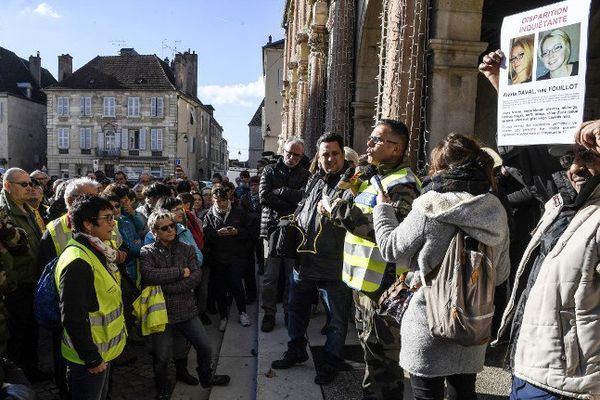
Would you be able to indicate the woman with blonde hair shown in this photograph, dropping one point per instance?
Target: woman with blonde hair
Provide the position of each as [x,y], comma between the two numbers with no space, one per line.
[555,53]
[456,195]
[521,60]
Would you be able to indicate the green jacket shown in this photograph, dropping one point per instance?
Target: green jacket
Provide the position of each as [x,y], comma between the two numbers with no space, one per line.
[25,265]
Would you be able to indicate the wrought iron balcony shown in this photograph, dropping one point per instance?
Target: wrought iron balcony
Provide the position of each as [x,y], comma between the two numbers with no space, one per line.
[108,153]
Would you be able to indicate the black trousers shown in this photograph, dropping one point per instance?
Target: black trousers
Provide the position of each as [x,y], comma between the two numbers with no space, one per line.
[463,386]
[22,327]
[227,278]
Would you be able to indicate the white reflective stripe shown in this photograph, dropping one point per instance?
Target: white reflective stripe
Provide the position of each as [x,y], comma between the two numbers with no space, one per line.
[363,274]
[153,308]
[105,347]
[106,319]
[60,237]
[354,250]
[155,290]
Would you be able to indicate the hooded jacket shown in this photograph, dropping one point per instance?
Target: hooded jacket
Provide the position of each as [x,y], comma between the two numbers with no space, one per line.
[421,242]
[558,345]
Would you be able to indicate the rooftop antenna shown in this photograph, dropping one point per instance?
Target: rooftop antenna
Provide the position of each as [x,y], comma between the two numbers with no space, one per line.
[172,48]
[120,43]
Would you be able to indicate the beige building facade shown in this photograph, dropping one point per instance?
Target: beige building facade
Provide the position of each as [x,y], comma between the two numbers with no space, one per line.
[131,113]
[272,106]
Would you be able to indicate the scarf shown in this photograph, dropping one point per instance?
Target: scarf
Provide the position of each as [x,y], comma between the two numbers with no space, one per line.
[108,251]
[468,177]
[219,214]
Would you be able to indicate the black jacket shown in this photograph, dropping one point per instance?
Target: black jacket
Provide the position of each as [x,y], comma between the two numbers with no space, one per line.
[280,191]
[321,234]
[226,249]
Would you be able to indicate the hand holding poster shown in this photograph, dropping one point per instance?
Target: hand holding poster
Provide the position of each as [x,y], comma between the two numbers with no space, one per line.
[542,84]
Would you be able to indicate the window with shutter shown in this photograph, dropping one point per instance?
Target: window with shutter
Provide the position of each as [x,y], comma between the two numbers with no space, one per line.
[133,106]
[85,138]
[109,106]
[62,106]
[124,139]
[85,106]
[101,140]
[63,138]
[156,107]
[156,139]
[143,139]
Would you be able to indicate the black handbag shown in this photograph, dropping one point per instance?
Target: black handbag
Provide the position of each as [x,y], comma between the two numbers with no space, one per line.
[284,239]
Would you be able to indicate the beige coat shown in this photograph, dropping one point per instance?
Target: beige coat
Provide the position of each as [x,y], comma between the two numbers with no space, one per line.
[558,347]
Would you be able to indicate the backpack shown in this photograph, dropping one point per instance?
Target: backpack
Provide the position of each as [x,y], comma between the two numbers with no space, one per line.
[46,300]
[460,298]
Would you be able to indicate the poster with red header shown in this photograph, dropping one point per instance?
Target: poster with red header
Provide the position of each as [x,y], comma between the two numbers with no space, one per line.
[542,81]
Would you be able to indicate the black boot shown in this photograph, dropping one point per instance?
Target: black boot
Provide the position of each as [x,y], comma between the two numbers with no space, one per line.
[208,378]
[163,388]
[182,374]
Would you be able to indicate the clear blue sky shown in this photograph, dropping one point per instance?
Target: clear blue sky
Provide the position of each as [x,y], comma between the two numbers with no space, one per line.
[226,34]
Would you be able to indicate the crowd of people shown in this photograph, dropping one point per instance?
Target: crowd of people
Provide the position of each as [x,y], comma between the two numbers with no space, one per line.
[147,263]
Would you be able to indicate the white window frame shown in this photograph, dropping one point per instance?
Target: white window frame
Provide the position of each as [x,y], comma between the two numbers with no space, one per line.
[62,106]
[85,138]
[85,106]
[62,138]
[109,106]
[133,106]
[157,107]
[156,139]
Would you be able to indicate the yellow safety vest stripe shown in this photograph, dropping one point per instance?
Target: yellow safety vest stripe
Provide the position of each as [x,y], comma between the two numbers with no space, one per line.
[60,233]
[364,266]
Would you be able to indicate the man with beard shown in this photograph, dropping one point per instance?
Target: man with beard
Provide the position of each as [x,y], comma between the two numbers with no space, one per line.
[553,316]
[279,192]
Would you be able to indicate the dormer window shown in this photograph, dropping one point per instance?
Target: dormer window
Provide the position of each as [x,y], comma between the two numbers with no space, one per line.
[25,88]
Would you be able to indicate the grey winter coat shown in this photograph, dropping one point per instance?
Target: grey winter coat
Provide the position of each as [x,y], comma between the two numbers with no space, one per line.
[421,242]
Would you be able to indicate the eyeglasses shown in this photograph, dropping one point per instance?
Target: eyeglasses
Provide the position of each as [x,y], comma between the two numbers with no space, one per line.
[518,57]
[291,154]
[556,48]
[108,217]
[587,156]
[376,140]
[166,228]
[24,184]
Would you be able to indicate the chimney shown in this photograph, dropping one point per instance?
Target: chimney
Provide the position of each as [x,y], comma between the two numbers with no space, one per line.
[185,69]
[35,67]
[65,66]
[270,39]
[128,51]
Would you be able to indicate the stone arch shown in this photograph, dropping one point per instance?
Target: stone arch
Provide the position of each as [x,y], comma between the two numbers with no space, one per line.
[367,69]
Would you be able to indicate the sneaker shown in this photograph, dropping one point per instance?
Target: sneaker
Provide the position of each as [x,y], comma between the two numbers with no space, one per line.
[244,320]
[268,323]
[289,360]
[223,325]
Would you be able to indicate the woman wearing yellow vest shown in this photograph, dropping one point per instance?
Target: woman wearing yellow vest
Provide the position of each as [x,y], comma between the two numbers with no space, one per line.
[94,331]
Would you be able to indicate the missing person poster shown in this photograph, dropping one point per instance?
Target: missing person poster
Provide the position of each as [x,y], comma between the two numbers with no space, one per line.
[542,84]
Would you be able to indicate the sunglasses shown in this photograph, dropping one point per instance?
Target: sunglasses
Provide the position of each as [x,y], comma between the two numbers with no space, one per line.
[166,228]
[24,184]
[587,156]
[376,140]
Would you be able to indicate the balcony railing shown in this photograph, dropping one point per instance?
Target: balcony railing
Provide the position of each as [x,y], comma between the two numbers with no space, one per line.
[108,153]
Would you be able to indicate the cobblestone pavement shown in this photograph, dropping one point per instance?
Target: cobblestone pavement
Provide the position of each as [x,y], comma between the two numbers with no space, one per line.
[134,381]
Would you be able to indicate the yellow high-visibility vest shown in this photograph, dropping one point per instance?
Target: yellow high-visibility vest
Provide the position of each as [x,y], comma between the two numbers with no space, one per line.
[150,309]
[60,232]
[364,265]
[107,325]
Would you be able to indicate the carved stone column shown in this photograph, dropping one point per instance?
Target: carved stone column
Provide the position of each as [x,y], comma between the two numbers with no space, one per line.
[302,86]
[317,63]
[340,70]
[403,73]
[293,79]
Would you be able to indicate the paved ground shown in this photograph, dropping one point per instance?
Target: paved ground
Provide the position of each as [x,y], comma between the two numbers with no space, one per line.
[246,354]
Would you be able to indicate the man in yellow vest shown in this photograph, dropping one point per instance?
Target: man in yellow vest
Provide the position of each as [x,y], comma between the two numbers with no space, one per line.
[91,306]
[364,269]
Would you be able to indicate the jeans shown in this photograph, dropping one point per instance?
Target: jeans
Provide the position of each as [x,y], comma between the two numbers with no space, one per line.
[162,346]
[337,299]
[84,385]
[228,277]
[273,268]
[521,390]
[463,385]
